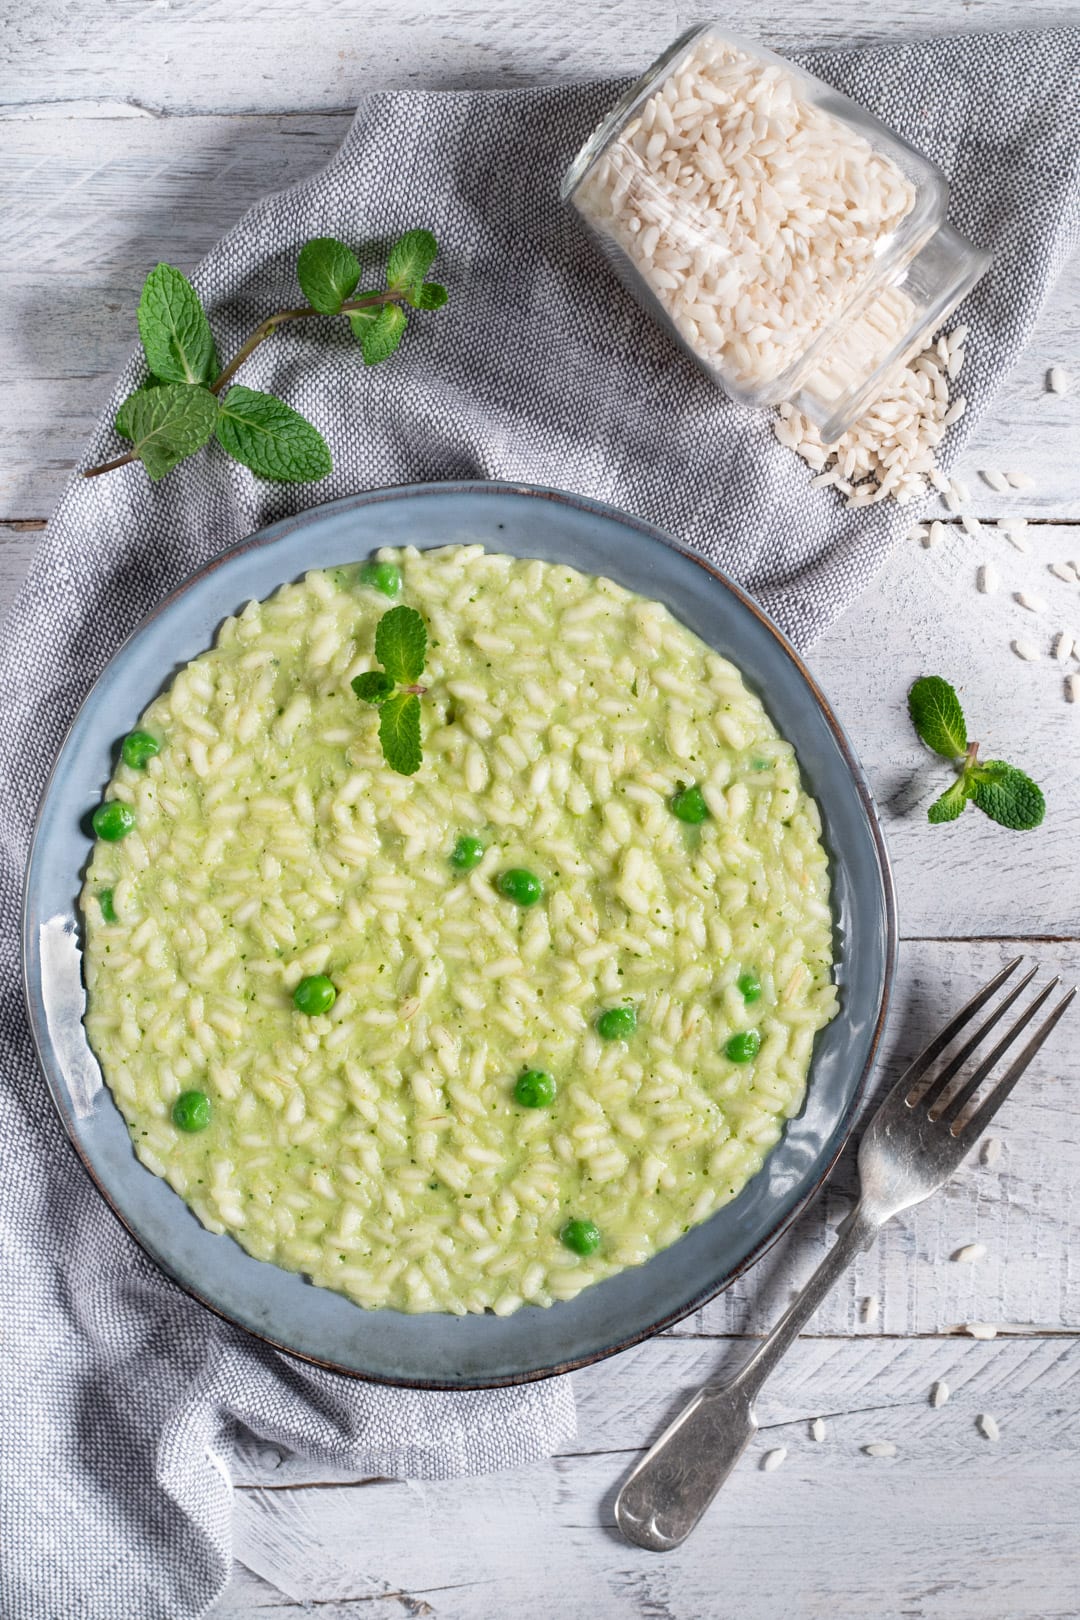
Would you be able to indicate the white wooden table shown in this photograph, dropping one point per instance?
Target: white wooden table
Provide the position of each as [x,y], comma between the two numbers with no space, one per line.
[139,129]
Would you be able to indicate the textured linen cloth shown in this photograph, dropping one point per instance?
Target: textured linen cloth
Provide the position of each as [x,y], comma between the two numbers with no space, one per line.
[119,1396]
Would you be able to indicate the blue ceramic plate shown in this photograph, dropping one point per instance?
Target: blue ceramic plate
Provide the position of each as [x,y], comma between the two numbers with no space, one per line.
[280,1306]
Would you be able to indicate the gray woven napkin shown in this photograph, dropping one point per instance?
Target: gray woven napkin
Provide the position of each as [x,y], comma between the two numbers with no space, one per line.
[120,1397]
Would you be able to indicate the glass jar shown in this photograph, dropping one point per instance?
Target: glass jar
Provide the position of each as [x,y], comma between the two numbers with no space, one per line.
[791,242]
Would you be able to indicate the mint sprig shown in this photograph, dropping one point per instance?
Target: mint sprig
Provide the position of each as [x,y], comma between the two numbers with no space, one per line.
[259,430]
[401,648]
[1002,791]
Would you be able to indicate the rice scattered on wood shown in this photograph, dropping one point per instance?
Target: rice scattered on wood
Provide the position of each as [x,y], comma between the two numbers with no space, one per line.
[970,1252]
[988,1426]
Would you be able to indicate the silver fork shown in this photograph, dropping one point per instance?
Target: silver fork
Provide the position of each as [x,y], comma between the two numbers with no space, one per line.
[912,1145]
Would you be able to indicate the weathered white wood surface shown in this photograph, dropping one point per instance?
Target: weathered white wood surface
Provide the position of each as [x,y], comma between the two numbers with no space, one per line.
[953,1528]
[183,56]
[122,145]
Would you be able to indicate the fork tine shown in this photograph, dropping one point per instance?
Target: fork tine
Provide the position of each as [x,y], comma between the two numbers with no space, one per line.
[919,1065]
[956,1104]
[937,1086]
[981,1119]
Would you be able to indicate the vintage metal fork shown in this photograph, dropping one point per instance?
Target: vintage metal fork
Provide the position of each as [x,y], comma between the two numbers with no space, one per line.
[910,1148]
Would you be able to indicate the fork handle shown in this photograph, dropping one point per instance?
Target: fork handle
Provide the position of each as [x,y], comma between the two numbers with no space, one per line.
[666,1494]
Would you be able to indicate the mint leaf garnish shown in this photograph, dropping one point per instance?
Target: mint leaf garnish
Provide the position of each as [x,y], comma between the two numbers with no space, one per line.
[951,803]
[175,332]
[399,733]
[169,423]
[411,257]
[373,686]
[432,295]
[1006,794]
[937,716]
[379,330]
[1002,791]
[271,438]
[122,422]
[328,273]
[401,644]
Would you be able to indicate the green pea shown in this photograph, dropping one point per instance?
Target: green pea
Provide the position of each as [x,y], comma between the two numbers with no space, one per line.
[467,853]
[138,749]
[524,888]
[382,576]
[616,1023]
[689,805]
[749,985]
[108,905]
[113,821]
[535,1089]
[314,995]
[743,1047]
[191,1111]
[581,1236]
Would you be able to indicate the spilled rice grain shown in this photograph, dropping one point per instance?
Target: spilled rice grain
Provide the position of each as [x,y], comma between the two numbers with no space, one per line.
[988,1426]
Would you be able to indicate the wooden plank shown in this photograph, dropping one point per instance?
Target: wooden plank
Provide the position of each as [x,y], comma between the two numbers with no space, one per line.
[954,1527]
[17,542]
[866,1388]
[95,203]
[126,57]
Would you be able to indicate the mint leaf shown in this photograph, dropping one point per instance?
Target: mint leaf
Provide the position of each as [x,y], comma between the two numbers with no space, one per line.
[374,686]
[937,716]
[379,330]
[952,803]
[175,332]
[1006,794]
[271,438]
[169,423]
[399,731]
[411,257]
[401,644]
[328,273]
[122,421]
[431,295]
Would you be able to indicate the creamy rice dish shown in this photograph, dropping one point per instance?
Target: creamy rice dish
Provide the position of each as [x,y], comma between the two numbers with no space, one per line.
[481,1035]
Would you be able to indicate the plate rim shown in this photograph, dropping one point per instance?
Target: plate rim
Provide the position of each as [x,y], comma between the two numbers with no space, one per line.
[270,534]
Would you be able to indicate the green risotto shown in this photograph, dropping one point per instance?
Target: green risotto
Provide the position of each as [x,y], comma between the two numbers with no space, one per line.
[481,1035]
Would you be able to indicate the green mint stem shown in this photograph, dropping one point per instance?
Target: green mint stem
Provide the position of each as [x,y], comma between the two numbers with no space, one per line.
[971,756]
[259,335]
[111,466]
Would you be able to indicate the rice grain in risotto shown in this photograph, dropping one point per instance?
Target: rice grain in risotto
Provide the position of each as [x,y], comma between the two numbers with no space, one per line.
[382,1146]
